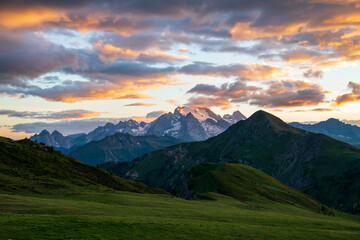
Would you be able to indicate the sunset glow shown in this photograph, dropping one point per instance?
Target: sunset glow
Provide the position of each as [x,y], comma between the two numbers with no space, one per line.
[64,61]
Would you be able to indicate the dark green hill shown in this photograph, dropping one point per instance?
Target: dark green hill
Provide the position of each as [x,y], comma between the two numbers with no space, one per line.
[27,166]
[120,147]
[324,168]
[244,183]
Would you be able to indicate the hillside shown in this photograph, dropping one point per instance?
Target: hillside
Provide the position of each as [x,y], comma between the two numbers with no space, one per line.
[75,203]
[334,128]
[120,147]
[131,216]
[244,183]
[27,166]
[324,168]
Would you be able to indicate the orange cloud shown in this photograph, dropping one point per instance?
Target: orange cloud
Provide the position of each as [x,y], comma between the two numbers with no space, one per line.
[83,91]
[172,101]
[324,109]
[110,53]
[30,17]
[244,31]
[318,110]
[350,97]
[333,35]
[94,94]
[140,104]
[289,93]
[261,72]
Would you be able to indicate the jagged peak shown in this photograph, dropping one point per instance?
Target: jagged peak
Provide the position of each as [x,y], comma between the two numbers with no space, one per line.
[238,114]
[109,124]
[44,132]
[56,132]
[132,121]
[201,113]
[333,120]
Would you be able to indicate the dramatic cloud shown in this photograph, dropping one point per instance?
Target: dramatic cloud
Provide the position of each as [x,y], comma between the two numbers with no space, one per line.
[350,97]
[117,80]
[249,72]
[237,90]
[73,51]
[69,114]
[27,56]
[110,53]
[214,96]
[286,93]
[289,93]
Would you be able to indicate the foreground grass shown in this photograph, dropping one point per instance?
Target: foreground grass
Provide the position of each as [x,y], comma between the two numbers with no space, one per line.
[122,215]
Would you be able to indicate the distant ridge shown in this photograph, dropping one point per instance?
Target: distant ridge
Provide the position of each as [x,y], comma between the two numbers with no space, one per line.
[334,128]
[185,123]
[120,147]
[324,168]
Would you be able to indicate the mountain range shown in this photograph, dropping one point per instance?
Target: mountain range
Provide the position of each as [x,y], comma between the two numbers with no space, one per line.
[120,147]
[186,124]
[324,168]
[334,128]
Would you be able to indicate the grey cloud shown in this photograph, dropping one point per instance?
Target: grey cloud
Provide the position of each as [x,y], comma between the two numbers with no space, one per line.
[155,114]
[310,73]
[31,57]
[286,93]
[289,93]
[68,114]
[65,127]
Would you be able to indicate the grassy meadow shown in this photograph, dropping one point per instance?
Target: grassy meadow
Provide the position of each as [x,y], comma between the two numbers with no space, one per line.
[125,215]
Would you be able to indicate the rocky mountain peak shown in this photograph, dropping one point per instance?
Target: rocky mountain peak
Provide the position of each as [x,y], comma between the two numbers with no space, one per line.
[44,132]
[238,115]
[186,123]
[56,133]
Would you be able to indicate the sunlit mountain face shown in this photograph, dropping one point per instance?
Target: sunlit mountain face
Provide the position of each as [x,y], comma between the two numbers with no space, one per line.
[76,65]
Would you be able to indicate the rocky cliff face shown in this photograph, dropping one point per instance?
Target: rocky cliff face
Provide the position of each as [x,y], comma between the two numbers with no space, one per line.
[54,139]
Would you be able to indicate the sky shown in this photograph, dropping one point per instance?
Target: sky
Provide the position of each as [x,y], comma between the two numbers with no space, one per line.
[74,65]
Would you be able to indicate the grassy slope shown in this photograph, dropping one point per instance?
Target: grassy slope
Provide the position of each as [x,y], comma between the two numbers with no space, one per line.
[322,167]
[122,215]
[120,147]
[27,166]
[75,203]
[248,185]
